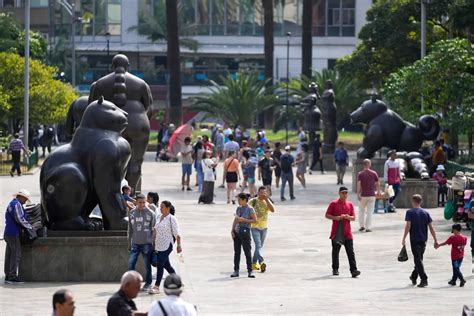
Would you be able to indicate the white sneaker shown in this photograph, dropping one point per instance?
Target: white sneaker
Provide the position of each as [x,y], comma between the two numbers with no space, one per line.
[154,290]
[145,288]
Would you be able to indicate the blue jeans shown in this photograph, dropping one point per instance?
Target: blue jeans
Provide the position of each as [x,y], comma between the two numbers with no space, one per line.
[258,236]
[200,175]
[163,263]
[396,189]
[457,270]
[145,250]
[286,177]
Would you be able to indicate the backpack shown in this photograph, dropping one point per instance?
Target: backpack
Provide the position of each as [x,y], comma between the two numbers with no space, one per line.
[285,163]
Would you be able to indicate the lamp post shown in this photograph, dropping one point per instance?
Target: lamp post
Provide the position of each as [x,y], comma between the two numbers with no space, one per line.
[70,9]
[288,37]
[26,104]
[423,37]
[107,38]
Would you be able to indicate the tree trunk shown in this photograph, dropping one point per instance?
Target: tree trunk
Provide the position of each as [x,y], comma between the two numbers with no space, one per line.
[268,49]
[173,62]
[307,39]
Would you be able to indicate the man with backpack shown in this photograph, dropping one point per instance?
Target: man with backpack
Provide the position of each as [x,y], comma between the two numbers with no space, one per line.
[286,163]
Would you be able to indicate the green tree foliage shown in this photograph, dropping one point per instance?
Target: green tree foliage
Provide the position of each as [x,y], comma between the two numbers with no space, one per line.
[12,38]
[49,98]
[445,78]
[391,39]
[348,97]
[237,101]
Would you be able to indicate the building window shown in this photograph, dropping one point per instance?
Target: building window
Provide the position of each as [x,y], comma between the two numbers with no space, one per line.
[98,17]
[334,18]
[39,3]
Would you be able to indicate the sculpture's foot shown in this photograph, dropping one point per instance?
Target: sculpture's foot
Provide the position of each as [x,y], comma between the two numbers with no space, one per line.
[363,153]
[77,223]
[121,224]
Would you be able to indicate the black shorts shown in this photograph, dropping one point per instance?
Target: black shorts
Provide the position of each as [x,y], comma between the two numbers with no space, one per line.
[231,177]
[277,171]
[267,181]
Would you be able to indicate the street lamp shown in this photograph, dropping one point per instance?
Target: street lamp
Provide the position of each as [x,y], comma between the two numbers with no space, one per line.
[288,36]
[423,37]
[107,38]
[70,8]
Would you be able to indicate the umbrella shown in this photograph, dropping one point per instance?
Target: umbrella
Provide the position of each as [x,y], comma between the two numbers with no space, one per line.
[176,142]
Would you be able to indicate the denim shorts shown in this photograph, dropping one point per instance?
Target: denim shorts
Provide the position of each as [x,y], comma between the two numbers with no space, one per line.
[187,168]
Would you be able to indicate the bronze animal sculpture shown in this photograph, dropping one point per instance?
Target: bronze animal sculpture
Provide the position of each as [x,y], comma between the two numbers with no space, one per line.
[88,171]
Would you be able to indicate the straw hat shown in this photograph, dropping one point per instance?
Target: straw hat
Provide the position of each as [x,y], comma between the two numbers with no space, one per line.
[24,193]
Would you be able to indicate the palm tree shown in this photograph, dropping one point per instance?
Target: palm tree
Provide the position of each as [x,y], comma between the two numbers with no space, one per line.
[237,100]
[174,65]
[268,51]
[307,38]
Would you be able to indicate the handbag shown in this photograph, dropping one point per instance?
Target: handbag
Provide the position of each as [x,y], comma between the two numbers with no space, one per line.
[403,255]
[243,230]
[154,258]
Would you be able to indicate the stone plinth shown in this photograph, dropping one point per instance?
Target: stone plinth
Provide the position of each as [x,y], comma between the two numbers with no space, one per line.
[328,163]
[427,188]
[357,166]
[78,257]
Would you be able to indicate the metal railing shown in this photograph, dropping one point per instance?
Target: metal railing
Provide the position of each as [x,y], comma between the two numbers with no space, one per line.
[27,163]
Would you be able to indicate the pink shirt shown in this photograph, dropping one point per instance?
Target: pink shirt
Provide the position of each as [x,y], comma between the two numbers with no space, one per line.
[337,208]
[368,179]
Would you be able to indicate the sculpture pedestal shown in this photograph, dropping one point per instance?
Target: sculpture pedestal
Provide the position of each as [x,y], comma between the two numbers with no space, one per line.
[357,166]
[78,257]
[427,188]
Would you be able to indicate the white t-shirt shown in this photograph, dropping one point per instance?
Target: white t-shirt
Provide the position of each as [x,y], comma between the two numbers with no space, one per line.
[173,305]
[165,230]
[207,169]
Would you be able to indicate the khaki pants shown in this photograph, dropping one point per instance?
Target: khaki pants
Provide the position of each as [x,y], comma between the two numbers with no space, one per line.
[366,209]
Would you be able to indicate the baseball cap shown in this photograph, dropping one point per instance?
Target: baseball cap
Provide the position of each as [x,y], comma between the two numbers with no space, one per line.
[440,168]
[343,189]
[287,148]
[173,284]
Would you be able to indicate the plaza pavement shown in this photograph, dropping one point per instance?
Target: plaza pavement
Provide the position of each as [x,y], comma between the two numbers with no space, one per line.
[298,280]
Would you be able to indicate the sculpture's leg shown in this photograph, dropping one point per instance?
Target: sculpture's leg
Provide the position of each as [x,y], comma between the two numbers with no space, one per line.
[107,169]
[134,169]
[77,223]
[373,141]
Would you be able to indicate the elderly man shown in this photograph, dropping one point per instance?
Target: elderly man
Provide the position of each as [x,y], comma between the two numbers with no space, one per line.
[172,304]
[63,303]
[15,220]
[121,303]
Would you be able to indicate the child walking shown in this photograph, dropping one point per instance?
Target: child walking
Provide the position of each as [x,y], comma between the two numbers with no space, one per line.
[244,216]
[457,242]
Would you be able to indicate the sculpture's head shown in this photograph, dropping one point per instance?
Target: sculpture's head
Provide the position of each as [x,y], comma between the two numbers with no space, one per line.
[102,114]
[368,111]
[120,60]
[328,84]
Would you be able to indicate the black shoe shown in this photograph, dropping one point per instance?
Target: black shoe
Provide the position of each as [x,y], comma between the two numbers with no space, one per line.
[292,198]
[11,173]
[233,202]
[189,189]
[452,282]
[355,273]
[423,283]
[15,280]
[182,188]
[462,283]
[235,274]
[251,275]
[335,272]
[283,199]
[413,280]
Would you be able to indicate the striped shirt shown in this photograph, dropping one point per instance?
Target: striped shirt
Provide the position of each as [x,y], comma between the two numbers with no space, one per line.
[17,145]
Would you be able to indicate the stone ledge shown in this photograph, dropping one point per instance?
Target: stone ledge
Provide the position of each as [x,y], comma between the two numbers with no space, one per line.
[76,259]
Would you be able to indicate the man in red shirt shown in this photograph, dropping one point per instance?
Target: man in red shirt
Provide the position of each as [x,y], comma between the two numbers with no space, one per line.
[341,212]
[367,183]
[457,242]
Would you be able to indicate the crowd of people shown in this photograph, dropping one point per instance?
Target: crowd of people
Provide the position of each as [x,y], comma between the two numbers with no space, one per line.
[153,229]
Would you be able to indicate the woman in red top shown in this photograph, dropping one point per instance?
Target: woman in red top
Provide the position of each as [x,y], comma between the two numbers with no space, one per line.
[440,177]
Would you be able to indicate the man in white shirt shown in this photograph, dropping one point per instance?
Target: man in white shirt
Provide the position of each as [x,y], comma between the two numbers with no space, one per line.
[172,304]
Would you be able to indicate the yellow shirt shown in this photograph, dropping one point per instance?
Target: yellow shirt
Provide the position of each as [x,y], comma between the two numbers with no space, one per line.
[261,210]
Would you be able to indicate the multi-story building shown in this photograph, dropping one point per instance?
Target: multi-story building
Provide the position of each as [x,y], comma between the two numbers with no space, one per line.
[218,36]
